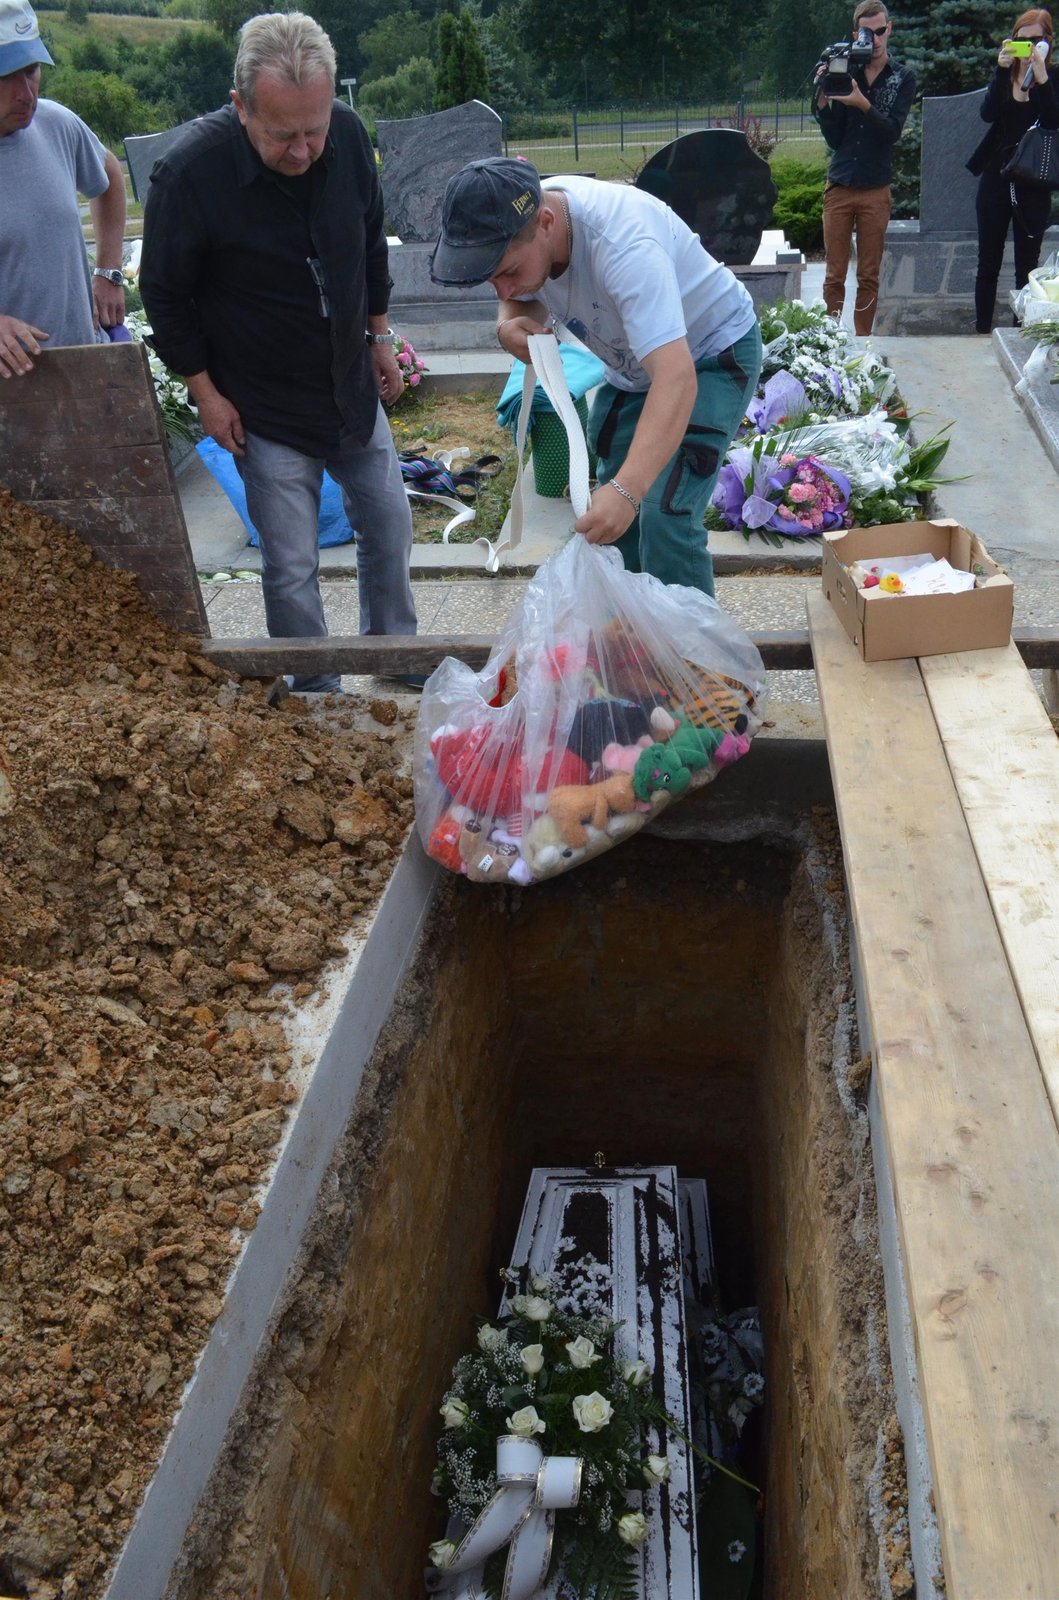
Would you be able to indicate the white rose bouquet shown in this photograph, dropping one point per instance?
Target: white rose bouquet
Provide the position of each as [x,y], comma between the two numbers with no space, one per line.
[548,1373]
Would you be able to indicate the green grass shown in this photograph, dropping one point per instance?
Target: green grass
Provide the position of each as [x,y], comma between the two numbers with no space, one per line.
[138,30]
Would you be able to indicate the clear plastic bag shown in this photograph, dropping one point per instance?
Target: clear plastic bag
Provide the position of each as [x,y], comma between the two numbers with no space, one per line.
[1038,299]
[608,696]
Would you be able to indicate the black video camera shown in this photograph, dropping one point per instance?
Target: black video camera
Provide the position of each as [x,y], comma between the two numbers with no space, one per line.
[841,59]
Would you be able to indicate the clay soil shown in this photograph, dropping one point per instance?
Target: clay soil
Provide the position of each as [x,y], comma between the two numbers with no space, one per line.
[178,863]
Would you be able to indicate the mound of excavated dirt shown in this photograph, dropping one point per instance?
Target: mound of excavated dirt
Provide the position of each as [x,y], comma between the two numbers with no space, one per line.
[170,848]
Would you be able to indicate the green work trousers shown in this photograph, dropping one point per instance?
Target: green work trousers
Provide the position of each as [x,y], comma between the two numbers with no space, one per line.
[668,537]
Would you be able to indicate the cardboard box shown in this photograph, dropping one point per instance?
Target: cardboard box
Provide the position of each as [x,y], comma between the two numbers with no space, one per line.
[885,627]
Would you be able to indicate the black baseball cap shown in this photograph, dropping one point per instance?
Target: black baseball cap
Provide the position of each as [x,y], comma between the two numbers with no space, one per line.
[486,203]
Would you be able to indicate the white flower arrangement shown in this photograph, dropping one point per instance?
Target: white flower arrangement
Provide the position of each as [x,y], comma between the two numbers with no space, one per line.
[527,1378]
[180,417]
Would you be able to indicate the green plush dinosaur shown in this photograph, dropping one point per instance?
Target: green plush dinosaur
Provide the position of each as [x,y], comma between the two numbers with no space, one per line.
[669,766]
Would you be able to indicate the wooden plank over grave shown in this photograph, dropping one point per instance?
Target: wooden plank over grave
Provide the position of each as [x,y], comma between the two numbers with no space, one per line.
[628,1220]
[82,440]
[967,1124]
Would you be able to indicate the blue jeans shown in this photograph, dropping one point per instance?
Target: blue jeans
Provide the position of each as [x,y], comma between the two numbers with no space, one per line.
[283,501]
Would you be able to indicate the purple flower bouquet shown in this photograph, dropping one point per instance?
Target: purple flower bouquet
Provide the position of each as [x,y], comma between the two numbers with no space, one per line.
[799,498]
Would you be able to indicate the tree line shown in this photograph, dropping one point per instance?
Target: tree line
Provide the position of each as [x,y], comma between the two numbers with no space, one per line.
[516,54]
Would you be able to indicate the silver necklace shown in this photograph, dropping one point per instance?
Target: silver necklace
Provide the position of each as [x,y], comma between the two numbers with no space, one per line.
[569,225]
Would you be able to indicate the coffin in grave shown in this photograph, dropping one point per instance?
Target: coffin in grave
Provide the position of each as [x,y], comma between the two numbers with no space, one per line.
[647,1239]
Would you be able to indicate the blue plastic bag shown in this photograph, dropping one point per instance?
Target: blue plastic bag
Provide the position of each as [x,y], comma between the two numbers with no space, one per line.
[334,524]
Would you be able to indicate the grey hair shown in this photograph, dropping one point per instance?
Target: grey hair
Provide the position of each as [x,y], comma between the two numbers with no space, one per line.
[287,44]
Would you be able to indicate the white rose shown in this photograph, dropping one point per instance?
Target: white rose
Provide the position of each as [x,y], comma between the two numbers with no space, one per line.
[632,1527]
[491,1338]
[525,1423]
[581,1352]
[441,1552]
[592,1411]
[636,1373]
[540,1284]
[656,1470]
[532,1357]
[532,1307]
[454,1413]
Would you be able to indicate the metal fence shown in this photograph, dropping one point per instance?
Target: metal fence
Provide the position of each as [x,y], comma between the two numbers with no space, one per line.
[610,136]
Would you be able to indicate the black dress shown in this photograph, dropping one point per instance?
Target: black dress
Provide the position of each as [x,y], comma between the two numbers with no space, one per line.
[1027,211]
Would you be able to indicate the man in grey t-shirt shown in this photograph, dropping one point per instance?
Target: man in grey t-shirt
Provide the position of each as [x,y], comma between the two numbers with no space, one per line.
[48,155]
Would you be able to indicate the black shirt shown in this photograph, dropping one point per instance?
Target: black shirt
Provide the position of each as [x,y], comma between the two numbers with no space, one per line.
[227,284]
[862,141]
[1009,119]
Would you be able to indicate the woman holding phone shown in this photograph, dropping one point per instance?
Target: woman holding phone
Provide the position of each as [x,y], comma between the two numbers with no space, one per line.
[1022,92]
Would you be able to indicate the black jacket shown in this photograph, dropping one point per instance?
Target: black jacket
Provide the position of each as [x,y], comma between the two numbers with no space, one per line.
[228,289]
[1009,118]
[862,141]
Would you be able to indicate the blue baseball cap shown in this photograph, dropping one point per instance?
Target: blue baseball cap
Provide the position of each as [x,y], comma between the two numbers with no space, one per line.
[486,203]
[20,42]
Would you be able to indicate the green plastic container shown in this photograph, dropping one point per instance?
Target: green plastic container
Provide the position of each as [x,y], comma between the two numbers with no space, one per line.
[551,451]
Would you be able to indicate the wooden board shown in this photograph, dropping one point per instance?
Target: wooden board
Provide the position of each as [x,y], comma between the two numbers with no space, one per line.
[1004,759]
[968,1128]
[82,440]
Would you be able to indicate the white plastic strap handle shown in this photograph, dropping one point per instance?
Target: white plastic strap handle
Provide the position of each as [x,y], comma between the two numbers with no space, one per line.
[545,366]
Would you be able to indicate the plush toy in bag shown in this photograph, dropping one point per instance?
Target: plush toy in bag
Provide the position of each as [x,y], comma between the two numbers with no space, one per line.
[608,696]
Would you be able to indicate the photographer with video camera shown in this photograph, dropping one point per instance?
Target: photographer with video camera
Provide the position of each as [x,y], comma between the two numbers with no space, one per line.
[1021,92]
[862,99]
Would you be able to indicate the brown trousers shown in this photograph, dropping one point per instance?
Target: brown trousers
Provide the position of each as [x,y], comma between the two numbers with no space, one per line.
[867,210]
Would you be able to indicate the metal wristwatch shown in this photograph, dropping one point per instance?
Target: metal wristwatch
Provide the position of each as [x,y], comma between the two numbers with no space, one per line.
[112,274]
[379,338]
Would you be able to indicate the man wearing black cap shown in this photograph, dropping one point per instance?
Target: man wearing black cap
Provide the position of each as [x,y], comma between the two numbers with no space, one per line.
[48,156]
[676,331]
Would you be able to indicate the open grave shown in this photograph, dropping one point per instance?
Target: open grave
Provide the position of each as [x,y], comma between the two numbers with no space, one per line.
[378,1089]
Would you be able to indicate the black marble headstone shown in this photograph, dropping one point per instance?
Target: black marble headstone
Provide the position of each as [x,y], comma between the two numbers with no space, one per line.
[719,187]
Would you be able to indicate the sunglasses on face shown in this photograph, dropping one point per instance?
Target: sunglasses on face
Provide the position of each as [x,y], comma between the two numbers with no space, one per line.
[877,33]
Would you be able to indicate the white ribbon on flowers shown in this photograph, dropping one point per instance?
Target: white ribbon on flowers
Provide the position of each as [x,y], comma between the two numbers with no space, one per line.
[531,1487]
[545,366]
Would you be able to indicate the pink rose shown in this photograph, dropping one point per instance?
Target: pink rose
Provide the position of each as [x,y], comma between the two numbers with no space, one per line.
[413,379]
[801,493]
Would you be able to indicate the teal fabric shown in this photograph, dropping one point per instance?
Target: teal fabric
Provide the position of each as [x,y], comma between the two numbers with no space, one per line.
[583,371]
[668,537]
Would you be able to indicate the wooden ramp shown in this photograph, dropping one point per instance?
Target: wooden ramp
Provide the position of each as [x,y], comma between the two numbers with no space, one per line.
[82,440]
[946,778]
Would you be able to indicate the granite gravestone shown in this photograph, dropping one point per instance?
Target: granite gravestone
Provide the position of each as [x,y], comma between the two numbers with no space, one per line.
[143,150]
[952,128]
[419,156]
[719,187]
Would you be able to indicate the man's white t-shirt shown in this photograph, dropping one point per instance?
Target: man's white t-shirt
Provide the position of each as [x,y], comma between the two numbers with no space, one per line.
[639,278]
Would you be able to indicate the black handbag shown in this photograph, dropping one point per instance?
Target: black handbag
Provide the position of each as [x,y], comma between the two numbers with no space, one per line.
[1036,159]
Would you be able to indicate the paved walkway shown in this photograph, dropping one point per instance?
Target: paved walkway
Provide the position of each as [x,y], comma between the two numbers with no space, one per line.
[1008,492]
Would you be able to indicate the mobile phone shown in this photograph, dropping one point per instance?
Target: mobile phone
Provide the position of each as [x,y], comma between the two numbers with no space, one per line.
[1021,49]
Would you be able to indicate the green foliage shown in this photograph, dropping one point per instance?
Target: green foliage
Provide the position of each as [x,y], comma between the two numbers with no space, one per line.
[408,92]
[462,74]
[799,208]
[189,10]
[111,107]
[228,16]
[77,12]
[192,73]
[392,41]
[790,47]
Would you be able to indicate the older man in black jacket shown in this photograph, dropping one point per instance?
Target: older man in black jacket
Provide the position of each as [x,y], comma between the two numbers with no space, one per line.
[264,274]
